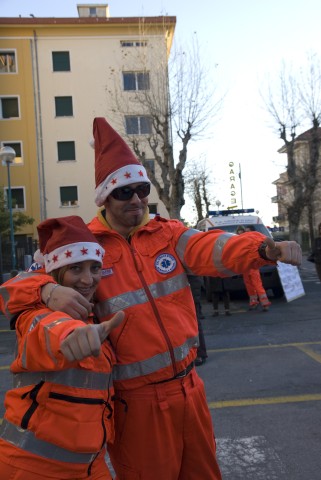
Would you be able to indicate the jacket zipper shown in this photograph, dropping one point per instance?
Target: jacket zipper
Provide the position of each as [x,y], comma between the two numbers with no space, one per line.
[154,307]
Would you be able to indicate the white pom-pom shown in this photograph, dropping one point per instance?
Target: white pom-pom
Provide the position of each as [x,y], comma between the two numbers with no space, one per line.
[38,257]
[92,143]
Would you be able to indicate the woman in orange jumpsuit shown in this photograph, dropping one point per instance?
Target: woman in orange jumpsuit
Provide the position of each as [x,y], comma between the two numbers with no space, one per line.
[58,413]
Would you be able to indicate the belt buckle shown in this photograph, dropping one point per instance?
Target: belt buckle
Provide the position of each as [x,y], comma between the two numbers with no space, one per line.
[182,374]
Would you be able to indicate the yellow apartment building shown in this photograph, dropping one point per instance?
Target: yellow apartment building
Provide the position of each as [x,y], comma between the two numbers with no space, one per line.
[56,75]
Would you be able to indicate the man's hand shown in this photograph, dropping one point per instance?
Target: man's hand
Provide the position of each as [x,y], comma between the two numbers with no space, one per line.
[66,300]
[286,252]
[86,341]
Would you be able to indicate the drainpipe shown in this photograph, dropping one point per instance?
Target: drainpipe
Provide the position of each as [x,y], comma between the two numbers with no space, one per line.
[38,122]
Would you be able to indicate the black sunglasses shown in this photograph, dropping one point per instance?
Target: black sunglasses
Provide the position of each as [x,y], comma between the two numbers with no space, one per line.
[126,193]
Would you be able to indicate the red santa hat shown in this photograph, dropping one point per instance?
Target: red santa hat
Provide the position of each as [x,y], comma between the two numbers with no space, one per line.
[115,163]
[66,240]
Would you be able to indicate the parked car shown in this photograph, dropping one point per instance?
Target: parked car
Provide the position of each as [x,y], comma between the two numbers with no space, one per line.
[229,220]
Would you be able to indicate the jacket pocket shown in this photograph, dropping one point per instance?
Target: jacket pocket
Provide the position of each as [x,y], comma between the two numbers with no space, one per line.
[76,423]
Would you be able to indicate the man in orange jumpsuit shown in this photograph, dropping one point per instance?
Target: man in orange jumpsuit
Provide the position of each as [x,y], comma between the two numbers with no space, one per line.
[163,427]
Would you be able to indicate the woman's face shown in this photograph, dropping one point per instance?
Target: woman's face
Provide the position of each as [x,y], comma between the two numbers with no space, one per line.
[83,277]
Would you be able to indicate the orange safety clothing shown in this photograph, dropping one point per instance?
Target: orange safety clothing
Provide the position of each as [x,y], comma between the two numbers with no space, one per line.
[146,277]
[58,413]
[177,426]
[254,287]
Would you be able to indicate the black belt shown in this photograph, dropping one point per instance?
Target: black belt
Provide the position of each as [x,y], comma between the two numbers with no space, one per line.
[181,374]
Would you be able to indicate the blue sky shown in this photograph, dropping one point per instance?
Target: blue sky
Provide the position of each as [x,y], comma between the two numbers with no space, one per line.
[248,40]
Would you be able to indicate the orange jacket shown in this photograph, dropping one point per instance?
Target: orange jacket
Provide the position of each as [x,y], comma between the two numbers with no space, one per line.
[146,278]
[56,409]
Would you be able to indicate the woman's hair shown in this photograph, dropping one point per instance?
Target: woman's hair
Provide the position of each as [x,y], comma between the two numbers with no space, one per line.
[59,273]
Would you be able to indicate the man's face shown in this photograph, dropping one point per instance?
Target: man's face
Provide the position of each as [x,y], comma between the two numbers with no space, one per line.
[124,215]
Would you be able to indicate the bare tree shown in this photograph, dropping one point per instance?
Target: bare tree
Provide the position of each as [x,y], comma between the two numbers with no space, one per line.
[296,100]
[198,186]
[181,103]
[310,94]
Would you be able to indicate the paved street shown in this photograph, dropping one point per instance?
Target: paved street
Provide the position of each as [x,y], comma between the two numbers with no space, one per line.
[263,385]
[264,389]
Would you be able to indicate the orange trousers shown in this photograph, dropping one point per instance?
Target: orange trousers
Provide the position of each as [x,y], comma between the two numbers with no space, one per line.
[11,471]
[164,432]
[255,290]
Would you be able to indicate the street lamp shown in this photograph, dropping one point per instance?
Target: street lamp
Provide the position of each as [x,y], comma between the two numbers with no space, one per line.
[7,155]
[218,204]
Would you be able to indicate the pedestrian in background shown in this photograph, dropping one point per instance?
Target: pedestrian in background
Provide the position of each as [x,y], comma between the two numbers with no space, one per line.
[316,253]
[219,293]
[196,287]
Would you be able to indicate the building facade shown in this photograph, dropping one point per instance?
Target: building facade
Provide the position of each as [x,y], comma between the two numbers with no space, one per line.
[284,196]
[56,75]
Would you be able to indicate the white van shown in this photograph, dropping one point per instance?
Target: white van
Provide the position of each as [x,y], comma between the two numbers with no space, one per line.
[229,220]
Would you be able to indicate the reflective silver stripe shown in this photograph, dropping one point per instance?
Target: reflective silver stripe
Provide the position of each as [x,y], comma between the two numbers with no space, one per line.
[73,377]
[47,336]
[121,302]
[153,364]
[171,285]
[26,440]
[5,296]
[181,244]
[182,351]
[220,243]
[34,323]
[37,319]
[138,297]
[24,275]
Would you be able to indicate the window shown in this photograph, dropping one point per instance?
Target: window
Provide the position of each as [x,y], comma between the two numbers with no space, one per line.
[92,11]
[66,151]
[60,62]
[68,196]
[17,198]
[8,62]
[138,125]
[136,80]
[9,107]
[133,43]
[17,146]
[63,106]
[151,165]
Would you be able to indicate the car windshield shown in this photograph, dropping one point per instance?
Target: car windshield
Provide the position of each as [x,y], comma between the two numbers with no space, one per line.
[259,227]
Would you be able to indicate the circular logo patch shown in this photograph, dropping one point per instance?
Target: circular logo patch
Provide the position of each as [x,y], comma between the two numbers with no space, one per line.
[165,263]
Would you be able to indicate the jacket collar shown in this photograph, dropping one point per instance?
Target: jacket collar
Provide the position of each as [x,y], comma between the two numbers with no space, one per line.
[102,218]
